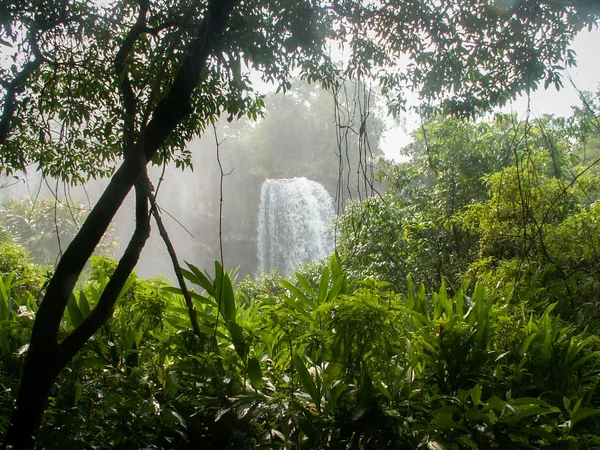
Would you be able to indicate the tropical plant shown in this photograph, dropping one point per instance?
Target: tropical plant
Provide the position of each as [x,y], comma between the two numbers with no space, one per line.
[312,367]
[538,230]
[176,66]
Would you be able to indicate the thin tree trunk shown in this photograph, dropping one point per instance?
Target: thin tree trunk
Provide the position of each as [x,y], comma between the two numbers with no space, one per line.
[46,357]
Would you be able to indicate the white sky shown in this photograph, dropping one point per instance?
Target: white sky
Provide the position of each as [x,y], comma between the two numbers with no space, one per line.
[586,77]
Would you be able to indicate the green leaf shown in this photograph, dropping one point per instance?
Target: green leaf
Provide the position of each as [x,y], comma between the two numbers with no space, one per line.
[225,295]
[255,373]
[541,433]
[74,311]
[333,397]
[323,286]
[237,338]
[338,284]
[448,409]
[180,418]
[497,404]
[330,375]
[582,414]
[84,305]
[198,278]
[459,300]
[535,411]
[477,416]
[301,296]
[305,284]
[130,281]
[210,301]
[307,381]
[443,423]
[336,266]
[476,394]
[530,401]
[5,310]
[528,340]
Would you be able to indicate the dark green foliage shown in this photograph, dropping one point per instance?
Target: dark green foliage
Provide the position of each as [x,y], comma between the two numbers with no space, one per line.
[325,363]
[505,196]
[410,228]
[318,367]
[21,284]
[491,356]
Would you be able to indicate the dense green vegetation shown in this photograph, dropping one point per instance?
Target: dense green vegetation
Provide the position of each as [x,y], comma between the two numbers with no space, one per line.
[460,312]
[87,86]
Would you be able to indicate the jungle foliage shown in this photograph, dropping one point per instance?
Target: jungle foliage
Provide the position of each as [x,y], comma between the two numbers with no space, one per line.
[88,85]
[45,226]
[513,199]
[471,341]
[313,362]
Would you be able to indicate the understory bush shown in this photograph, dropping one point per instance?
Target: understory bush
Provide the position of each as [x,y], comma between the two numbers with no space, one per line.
[320,363]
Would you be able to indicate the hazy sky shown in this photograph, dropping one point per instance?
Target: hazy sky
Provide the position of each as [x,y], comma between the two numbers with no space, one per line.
[586,76]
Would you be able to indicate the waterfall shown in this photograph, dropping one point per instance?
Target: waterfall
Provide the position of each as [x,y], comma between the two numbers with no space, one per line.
[295,216]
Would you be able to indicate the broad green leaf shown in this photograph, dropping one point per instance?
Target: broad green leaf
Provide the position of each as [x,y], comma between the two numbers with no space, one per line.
[338,284]
[298,293]
[476,416]
[305,284]
[535,411]
[84,305]
[209,331]
[4,309]
[130,281]
[530,401]
[335,393]
[197,277]
[237,338]
[307,381]
[323,286]
[497,404]
[210,301]
[528,340]
[444,423]
[476,394]
[541,433]
[582,414]
[330,375]
[226,297]
[255,373]
[74,311]
[459,300]
[336,265]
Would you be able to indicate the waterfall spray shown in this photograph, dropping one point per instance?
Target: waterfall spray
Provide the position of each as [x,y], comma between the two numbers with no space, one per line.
[295,217]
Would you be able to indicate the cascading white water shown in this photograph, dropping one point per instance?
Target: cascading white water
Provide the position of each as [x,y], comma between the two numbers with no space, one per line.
[295,217]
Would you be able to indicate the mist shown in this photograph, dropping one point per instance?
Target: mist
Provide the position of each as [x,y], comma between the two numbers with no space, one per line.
[302,134]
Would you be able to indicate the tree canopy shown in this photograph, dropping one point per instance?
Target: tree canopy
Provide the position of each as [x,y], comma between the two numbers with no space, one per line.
[76,73]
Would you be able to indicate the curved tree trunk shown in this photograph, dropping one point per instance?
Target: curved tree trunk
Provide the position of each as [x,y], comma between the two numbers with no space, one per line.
[46,356]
